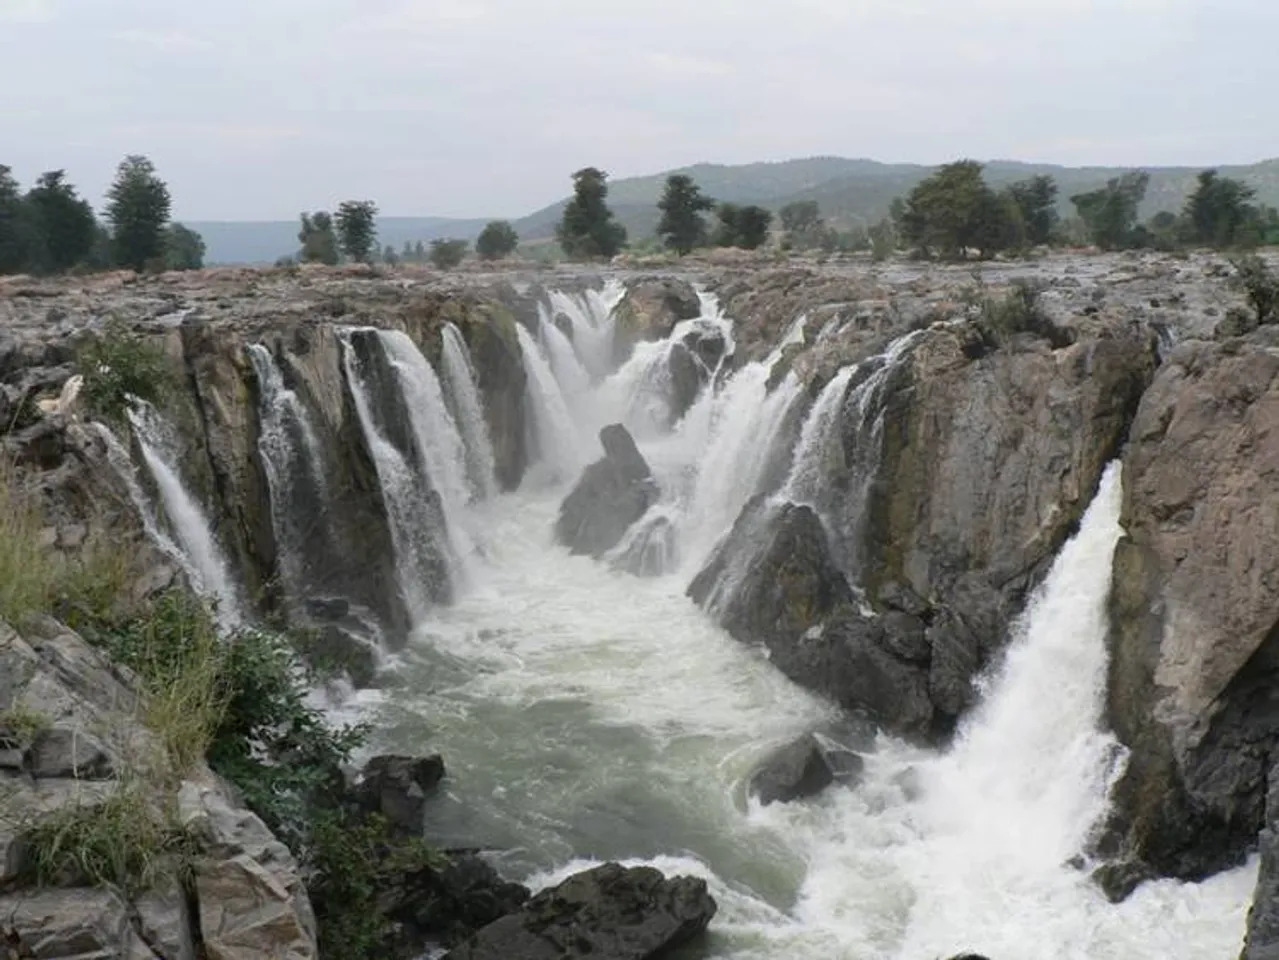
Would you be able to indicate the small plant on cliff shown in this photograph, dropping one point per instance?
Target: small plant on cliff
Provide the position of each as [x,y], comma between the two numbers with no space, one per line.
[1261,285]
[120,365]
[27,567]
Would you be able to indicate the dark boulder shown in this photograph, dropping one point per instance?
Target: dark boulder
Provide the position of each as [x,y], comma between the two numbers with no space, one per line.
[688,376]
[446,903]
[803,769]
[608,913]
[397,787]
[612,494]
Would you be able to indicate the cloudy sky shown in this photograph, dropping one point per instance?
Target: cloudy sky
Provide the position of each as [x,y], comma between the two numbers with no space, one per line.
[257,109]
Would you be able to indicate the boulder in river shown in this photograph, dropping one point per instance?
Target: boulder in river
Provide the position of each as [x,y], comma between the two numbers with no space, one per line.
[611,495]
[804,768]
[608,913]
[397,788]
[649,311]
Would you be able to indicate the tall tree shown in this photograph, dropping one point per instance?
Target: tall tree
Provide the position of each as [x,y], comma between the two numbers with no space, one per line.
[743,227]
[138,209]
[1036,200]
[1110,214]
[1220,211]
[18,236]
[587,228]
[357,229]
[954,211]
[497,240]
[67,225]
[682,204]
[319,242]
[183,248]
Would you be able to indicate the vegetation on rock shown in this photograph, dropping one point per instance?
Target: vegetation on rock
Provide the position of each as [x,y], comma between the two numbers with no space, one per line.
[318,238]
[447,253]
[119,366]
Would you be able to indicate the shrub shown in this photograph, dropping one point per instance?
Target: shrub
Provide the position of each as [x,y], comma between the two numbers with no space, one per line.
[1018,311]
[1261,285]
[120,365]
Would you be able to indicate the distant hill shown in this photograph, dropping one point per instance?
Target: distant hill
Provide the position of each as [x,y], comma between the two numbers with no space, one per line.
[849,191]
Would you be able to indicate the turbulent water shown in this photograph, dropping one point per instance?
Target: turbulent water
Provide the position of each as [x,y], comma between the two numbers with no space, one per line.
[587,714]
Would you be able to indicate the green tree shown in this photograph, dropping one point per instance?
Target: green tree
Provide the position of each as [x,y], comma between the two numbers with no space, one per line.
[1036,201]
[587,229]
[743,227]
[954,211]
[497,240]
[19,234]
[319,242]
[1220,212]
[1110,214]
[183,248]
[447,253]
[138,206]
[357,229]
[390,257]
[682,204]
[66,221]
[419,252]
[883,239]
[802,225]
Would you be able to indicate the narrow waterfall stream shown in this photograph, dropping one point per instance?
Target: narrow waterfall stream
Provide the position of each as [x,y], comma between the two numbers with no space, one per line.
[201,556]
[587,714]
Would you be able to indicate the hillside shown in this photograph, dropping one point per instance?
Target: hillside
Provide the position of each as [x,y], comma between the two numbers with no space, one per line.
[850,192]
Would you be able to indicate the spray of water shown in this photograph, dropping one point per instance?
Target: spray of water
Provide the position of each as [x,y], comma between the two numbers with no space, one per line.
[468,413]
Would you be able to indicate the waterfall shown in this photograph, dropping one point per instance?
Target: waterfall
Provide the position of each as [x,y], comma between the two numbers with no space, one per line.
[293,463]
[468,413]
[746,420]
[206,565]
[591,319]
[553,430]
[413,510]
[573,378]
[812,454]
[125,469]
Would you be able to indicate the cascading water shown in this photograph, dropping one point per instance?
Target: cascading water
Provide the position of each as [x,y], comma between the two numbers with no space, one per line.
[574,380]
[590,315]
[815,441]
[205,563]
[293,462]
[415,519]
[591,715]
[438,440]
[125,469]
[468,412]
[554,431]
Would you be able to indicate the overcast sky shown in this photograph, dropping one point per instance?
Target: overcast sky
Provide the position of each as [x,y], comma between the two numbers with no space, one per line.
[257,109]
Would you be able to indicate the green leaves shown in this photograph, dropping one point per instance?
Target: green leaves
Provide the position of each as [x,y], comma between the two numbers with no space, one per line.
[682,204]
[138,209]
[587,229]
[357,229]
[498,239]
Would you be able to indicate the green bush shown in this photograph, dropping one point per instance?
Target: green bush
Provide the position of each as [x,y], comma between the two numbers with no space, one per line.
[1261,285]
[119,365]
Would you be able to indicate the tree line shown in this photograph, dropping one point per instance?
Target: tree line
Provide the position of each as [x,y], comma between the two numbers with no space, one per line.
[952,214]
[51,229]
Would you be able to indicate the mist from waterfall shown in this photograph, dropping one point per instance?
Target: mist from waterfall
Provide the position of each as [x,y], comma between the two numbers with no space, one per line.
[204,561]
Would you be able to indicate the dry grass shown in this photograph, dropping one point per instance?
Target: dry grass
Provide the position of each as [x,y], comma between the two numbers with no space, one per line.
[29,569]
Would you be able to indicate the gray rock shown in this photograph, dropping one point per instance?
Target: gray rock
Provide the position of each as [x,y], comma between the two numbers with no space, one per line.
[165,922]
[612,494]
[1194,605]
[649,311]
[79,924]
[62,751]
[609,913]
[803,769]
[397,788]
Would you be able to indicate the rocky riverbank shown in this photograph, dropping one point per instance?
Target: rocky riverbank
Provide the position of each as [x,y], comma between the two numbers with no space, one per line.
[947,432]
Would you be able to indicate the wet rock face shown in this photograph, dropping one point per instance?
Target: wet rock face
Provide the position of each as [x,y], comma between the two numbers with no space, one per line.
[1194,609]
[612,494]
[649,311]
[609,913]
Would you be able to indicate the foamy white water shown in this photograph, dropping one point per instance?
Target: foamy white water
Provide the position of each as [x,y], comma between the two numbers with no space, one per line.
[555,434]
[589,715]
[468,412]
